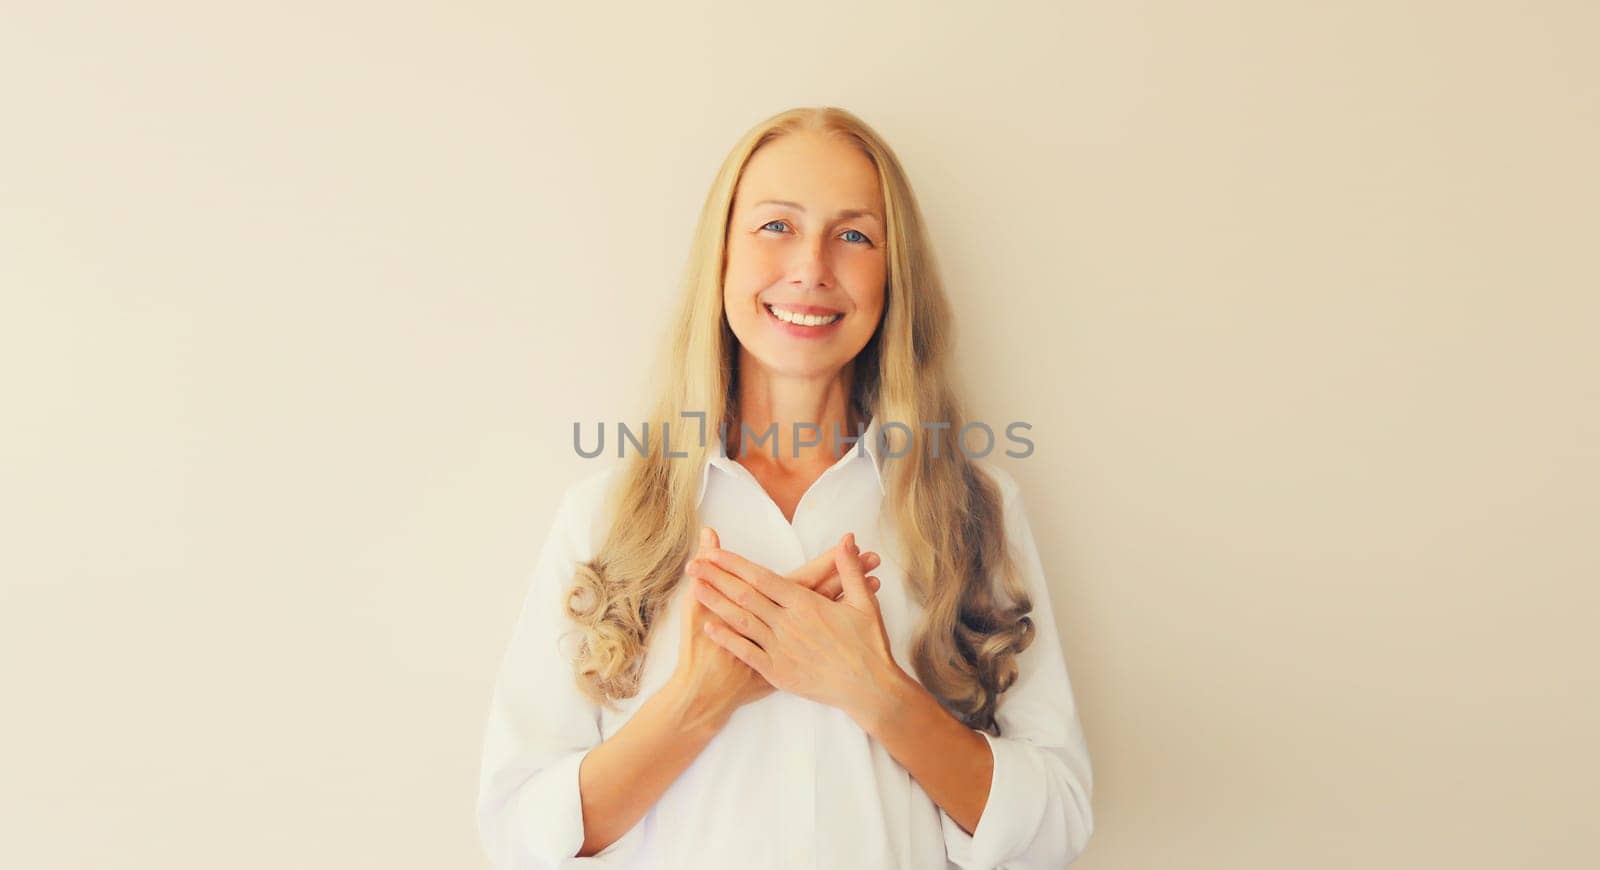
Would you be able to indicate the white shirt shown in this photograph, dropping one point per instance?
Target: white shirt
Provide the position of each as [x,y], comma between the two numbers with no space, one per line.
[788,782]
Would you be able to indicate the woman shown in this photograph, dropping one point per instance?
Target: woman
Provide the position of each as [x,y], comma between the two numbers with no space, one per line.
[703,675]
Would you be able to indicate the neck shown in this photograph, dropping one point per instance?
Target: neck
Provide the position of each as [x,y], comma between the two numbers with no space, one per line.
[766,398]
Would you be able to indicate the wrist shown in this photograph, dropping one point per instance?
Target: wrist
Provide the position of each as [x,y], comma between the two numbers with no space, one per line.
[889,691]
[688,710]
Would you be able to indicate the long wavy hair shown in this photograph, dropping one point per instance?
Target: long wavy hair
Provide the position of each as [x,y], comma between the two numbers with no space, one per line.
[947,512]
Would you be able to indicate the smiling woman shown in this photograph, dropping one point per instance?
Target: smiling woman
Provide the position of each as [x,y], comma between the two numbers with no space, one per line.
[703,673]
[774,289]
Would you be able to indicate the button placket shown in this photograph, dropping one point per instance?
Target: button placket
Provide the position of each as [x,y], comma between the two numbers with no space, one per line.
[806,855]
[799,765]
[798,730]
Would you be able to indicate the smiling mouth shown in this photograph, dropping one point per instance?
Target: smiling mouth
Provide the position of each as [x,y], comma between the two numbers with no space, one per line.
[800,318]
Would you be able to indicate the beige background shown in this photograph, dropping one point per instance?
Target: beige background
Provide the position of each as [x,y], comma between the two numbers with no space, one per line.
[1302,301]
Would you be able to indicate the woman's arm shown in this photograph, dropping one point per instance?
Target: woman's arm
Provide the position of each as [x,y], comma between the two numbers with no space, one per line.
[1021,800]
[537,782]
[950,761]
[623,777]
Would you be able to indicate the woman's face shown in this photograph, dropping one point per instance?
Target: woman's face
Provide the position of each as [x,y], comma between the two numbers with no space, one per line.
[803,287]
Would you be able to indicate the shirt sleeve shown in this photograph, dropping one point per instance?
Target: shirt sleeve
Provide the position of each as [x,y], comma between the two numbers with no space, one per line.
[1038,814]
[540,725]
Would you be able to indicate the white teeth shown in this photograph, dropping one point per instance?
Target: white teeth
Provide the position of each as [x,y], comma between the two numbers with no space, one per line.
[802,319]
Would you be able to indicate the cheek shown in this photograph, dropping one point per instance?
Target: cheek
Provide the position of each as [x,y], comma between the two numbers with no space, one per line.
[867,277]
[750,270]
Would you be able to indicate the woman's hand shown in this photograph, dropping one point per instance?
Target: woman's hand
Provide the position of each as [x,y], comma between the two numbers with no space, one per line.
[710,681]
[821,575]
[832,652]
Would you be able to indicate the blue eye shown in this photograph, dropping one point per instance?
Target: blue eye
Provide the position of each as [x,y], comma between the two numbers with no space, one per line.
[860,237]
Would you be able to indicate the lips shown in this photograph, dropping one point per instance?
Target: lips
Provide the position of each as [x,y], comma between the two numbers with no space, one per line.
[804,316]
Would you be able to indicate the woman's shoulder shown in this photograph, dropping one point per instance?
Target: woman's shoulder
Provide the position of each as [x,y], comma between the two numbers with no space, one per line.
[583,503]
[589,489]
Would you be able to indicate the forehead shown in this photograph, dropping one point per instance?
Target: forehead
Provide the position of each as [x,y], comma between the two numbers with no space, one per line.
[811,169]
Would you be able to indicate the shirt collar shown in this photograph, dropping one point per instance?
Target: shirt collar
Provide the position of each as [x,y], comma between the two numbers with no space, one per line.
[867,445]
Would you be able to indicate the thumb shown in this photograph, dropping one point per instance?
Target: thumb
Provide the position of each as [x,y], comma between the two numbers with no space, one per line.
[854,580]
[706,541]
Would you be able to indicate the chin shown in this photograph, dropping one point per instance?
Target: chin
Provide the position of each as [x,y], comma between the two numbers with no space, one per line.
[797,365]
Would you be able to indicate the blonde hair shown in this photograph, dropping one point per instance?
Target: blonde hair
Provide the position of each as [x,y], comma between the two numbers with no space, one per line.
[947,511]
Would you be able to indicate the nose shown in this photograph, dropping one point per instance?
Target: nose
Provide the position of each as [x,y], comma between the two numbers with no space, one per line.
[810,266]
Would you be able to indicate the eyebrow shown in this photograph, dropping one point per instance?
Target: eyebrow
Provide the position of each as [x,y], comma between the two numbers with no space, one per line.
[844,213]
